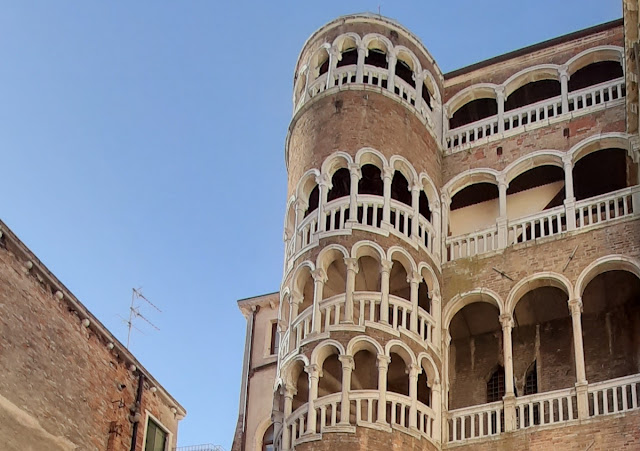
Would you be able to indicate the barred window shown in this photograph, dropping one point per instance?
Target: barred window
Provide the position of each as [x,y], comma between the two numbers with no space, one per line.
[495,385]
[531,381]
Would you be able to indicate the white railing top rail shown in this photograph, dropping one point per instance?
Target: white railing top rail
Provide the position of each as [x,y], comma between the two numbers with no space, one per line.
[312,216]
[475,409]
[367,295]
[408,209]
[340,201]
[427,316]
[539,397]
[612,383]
[306,313]
[344,69]
[607,196]
[318,84]
[372,198]
[491,229]
[298,413]
[597,87]
[537,215]
[327,399]
[426,224]
[397,397]
[472,125]
[533,106]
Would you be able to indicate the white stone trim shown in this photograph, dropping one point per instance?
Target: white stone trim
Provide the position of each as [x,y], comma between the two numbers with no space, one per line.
[169,443]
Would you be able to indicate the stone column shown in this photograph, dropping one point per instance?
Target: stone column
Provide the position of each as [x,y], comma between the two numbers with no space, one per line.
[391,63]
[345,405]
[500,101]
[419,80]
[362,53]
[289,392]
[501,222]
[635,197]
[575,306]
[445,205]
[436,405]
[334,57]
[436,222]
[387,178]
[569,198]
[324,185]
[436,307]
[301,206]
[314,374]
[319,279]
[414,371]
[296,300]
[383,367]
[415,204]
[385,271]
[414,280]
[352,271]
[564,87]
[446,343]
[305,90]
[356,175]
[509,396]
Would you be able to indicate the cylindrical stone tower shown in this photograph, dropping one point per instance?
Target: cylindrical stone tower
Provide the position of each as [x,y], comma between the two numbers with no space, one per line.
[360,359]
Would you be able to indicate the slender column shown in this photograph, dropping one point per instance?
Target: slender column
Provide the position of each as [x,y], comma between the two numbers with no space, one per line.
[635,197]
[414,371]
[419,80]
[391,63]
[387,178]
[436,308]
[445,205]
[324,184]
[319,279]
[500,101]
[446,343]
[383,367]
[356,175]
[414,281]
[301,206]
[570,199]
[415,204]
[352,270]
[509,396]
[575,305]
[345,404]
[436,405]
[385,271]
[501,222]
[305,91]
[296,300]
[334,57]
[362,53]
[314,374]
[436,222]
[564,87]
[289,392]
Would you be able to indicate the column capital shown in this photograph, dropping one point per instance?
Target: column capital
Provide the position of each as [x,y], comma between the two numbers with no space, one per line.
[335,52]
[323,180]
[435,294]
[563,71]
[383,361]
[415,187]
[391,58]
[413,370]
[502,181]
[300,204]
[355,170]
[385,266]
[506,320]
[499,92]
[445,199]
[387,172]
[567,160]
[414,277]
[296,298]
[575,306]
[290,390]
[319,275]
[352,264]
[347,362]
[313,370]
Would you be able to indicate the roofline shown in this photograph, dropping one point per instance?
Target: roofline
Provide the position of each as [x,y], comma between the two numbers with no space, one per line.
[255,298]
[95,324]
[535,47]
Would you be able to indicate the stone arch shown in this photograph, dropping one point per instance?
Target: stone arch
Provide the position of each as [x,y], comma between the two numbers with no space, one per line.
[339,41]
[288,375]
[531,161]
[599,142]
[403,53]
[430,190]
[401,164]
[363,342]
[378,42]
[530,75]
[402,349]
[306,184]
[430,367]
[459,301]
[530,283]
[329,254]
[468,178]
[367,249]
[260,431]
[324,349]
[399,254]
[432,86]
[297,272]
[614,262]
[429,276]
[335,161]
[466,95]
[318,59]
[283,308]
[368,155]
[595,55]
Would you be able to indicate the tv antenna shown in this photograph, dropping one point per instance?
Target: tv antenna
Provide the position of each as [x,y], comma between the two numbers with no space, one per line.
[134,313]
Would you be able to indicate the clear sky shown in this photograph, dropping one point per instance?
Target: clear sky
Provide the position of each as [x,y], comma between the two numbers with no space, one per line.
[142,145]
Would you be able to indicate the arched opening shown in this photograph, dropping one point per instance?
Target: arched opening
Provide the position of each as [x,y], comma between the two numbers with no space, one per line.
[424,300]
[473,111]
[336,277]
[595,73]
[397,375]
[330,377]
[423,206]
[267,439]
[349,57]
[377,57]
[313,201]
[611,326]
[301,380]
[364,377]
[474,208]
[426,95]
[475,351]
[367,289]
[533,92]
[589,178]
[370,183]
[404,71]
[400,188]
[341,184]
[304,286]
[424,392]
[543,333]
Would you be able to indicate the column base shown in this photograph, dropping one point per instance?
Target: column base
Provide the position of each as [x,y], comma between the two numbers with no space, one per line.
[509,413]
[582,396]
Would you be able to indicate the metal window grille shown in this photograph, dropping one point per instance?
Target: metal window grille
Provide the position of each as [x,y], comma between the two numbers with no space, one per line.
[495,386]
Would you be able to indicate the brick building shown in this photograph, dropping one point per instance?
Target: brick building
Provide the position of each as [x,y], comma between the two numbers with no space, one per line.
[66,383]
[462,250]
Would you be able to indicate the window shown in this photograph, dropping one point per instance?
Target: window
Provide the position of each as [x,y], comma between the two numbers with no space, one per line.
[267,440]
[495,386]
[275,339]
[156,439]
[531,381]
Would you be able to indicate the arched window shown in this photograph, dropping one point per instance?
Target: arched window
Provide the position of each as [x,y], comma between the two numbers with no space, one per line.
[371,181]
[594,74]
[531,93]
[423,206]
[404,71]
[495,385]
[314,199]
[340,184]
[377,58]
[267,440]
[474,111]
[400,188]
[349,56]
[531,380]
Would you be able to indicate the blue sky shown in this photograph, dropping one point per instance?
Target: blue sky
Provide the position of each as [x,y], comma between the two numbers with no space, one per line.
[142,145]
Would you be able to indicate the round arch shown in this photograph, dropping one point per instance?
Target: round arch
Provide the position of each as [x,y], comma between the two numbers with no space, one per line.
[430,367]
[363,343]
[339,41]
[595,55]
[367,249]
[429,276]
[402,349]
[318,58]
[329,254]
[468,178]
[474,92]
[600,142]
[404,54]
[530,283]
[430,190]
[368,155]
[459,301]
[531,161]
[399,254]
[530,75]
[335,161]
[307,182]
[295,278]
[399,163]
[615,262]
[378,42]
[324,349]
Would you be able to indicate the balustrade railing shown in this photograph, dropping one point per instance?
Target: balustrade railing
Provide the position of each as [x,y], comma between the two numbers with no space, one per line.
[538,225]
[345,74]
[426,234]
[426,325]
[370,209]
[398,409]
[401,217]
[328,411]
[530,114]
[471,244]
[308,227]
[426,421]
[558,406]
[606,207]
[297,423]
[317,86]
[614,396]
[476,422]
[336,214]
[301,326]
[366,403]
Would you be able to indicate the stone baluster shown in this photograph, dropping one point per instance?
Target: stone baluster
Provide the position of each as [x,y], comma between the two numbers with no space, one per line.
[383,367]
[385,272]
[575,306]
[319,279]
[347,369]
